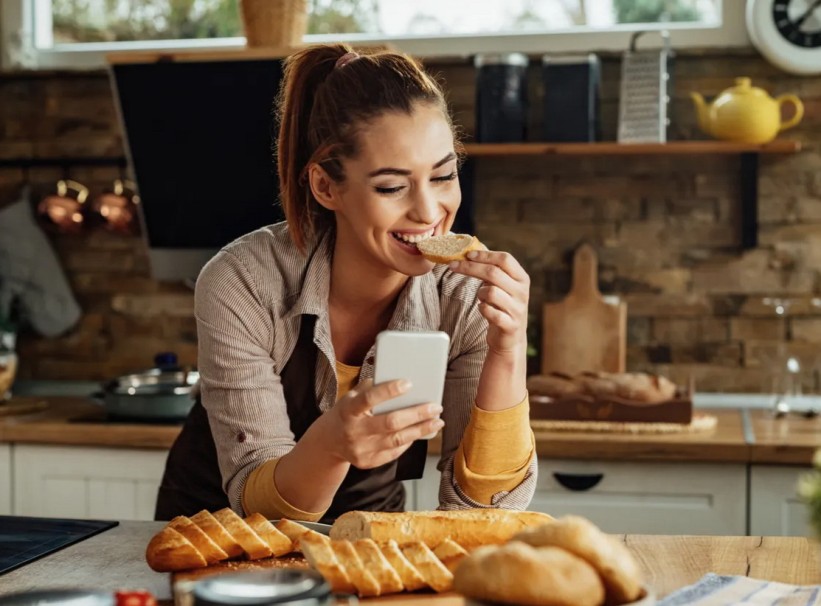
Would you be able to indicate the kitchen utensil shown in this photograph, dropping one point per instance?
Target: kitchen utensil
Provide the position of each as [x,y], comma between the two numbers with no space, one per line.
[745,113]
[583,332]
[164,392]
[645,93]
[263,588]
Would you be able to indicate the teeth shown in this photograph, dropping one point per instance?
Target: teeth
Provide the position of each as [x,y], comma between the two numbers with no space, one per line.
[412,238]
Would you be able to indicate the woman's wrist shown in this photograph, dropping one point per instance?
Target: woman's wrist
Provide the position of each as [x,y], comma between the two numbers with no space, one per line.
[503,382]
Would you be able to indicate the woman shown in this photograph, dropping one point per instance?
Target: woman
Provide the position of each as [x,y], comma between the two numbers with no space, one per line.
[287,317]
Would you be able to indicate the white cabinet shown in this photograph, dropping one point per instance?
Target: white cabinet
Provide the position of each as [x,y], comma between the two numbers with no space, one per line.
[775,508]
[5,479]
[645,497]
[86,482]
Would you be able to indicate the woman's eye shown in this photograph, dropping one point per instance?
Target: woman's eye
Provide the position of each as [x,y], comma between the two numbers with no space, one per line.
[449,177]
[389,190]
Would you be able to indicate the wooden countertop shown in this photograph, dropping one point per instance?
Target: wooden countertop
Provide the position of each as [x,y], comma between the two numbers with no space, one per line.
[740,436]
[668,563]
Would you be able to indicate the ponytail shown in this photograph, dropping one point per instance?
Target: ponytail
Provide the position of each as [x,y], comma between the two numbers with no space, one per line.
[319,106]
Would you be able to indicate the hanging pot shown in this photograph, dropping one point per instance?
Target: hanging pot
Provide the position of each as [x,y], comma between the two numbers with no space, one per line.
[155,394]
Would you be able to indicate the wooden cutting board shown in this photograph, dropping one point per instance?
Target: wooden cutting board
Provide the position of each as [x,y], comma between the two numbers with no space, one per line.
[583,332]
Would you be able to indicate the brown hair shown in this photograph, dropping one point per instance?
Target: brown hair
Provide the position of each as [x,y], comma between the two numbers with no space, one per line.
[319,108]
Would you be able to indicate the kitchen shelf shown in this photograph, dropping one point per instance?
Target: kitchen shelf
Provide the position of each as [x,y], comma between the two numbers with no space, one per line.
[748,185]
[625,149]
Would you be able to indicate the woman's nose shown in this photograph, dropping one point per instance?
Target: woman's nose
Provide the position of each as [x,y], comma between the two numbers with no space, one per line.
[426,206]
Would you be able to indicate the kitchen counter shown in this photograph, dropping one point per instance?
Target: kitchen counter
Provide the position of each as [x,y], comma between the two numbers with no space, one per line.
[741,436]
[668,563]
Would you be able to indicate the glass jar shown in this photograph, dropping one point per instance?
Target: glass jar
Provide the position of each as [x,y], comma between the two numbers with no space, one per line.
[8,363]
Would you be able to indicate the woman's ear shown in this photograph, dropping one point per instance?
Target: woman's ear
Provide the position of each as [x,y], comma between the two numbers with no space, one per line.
[322,187]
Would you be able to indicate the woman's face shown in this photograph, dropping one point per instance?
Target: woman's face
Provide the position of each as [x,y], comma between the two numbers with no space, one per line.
[402,187]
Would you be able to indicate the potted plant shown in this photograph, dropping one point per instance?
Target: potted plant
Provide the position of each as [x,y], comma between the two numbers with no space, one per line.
[809,489]
[274,23]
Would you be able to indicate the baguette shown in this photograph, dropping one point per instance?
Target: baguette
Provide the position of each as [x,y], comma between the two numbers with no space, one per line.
[373,559]
[450,554]
[366,585]
[447,248]
[411,579]
[469,528]
[205,539]
[322,557]
[432,570]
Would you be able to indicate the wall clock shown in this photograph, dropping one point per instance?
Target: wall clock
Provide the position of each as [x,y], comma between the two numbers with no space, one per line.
[787,33]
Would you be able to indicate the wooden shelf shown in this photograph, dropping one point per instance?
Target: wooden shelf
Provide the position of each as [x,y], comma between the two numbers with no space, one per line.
[616,149]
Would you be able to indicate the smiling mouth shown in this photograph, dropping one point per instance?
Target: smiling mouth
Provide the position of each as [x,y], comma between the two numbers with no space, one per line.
[413,239]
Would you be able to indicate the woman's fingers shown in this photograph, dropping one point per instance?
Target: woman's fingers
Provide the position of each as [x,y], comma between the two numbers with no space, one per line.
[401,419]
[409,434]
[506,262]
[365,396]
[495,296]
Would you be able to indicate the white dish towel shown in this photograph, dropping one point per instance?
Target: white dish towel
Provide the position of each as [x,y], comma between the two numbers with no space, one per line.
[716,590]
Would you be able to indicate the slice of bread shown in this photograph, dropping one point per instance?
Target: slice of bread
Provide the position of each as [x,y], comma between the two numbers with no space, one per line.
[276,540]
[411,578]
[447,248]
[205,545]
[214,529]
[365,583]
[432,570]
[320,555]
[295,531]
[373,559]
[253,546]
[169,550]
[450,553]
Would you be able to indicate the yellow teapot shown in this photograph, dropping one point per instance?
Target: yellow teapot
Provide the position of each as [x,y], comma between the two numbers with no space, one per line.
[745,114]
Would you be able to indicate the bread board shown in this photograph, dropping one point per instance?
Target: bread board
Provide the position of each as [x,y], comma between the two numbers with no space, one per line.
[588,408]
[583,332]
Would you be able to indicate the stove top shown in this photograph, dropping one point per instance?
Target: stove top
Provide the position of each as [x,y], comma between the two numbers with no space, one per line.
[23,539]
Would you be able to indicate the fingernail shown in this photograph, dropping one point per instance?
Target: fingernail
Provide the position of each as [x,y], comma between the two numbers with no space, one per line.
[435,409]
[404,385]
[439,424]
[454,264]
[472,254]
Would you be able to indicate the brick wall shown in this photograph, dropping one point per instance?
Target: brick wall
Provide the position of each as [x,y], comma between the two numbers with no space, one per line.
[666,229]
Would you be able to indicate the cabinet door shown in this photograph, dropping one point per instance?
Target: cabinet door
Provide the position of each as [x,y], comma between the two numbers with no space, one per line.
[5,479]
[423,494]
[775,508]
[84,482]
[646,498]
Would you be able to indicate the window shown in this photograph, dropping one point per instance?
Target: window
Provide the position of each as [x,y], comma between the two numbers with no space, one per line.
[54,32]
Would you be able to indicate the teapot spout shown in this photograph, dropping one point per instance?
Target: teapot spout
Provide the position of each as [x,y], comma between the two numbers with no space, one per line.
[702,112]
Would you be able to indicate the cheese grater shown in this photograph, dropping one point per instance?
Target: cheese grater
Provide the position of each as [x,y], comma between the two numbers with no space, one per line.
[645,93]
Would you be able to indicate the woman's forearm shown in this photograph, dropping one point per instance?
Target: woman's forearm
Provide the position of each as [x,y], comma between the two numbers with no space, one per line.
[503,382]
[308,477]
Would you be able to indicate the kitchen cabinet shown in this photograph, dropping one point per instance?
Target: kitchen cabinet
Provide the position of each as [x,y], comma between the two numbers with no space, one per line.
[5,479]
[647,497]
[86,482]
[775,508]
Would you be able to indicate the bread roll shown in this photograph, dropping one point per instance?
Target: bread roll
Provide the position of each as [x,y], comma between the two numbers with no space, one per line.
[447,248]
[469,528]
[517,573]
[610,558]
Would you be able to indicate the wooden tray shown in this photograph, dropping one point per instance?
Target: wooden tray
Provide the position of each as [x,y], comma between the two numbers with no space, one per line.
[612,408]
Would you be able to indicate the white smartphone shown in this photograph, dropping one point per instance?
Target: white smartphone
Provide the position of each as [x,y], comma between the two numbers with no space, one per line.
[420,357]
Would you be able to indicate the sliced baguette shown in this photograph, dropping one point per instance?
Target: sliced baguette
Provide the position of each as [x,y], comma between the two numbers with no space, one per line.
[169,550]
[432,570]
[469,528]
[450,554]
[295,531]
[381,569]
[447,248]
[276,540]
[411,578]
[366,585]
[214,529]
[212,552]
[321,556]
[253,546]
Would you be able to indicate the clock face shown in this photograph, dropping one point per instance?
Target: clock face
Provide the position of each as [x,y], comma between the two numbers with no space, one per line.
[799,21]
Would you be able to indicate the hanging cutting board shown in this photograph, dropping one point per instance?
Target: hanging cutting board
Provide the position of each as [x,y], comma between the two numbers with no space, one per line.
[583,332]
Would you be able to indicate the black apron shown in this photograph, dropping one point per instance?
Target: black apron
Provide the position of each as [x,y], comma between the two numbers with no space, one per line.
[192,479]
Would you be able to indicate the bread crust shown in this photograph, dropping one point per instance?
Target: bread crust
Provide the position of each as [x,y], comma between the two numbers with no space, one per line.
[432,570]
[212,552]
[321,556]
[472,244]
[366,585]
[469,528]
[276,540]
[214,529]
[610,558]
[411,579]
[253,546]
[517,573]
[450,553]
[376,563]
[169,550]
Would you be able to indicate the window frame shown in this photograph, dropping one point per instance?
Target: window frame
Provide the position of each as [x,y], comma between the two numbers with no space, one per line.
[17,16]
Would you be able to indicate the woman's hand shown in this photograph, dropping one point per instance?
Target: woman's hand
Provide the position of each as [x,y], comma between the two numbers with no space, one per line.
[367,440]
[502,298]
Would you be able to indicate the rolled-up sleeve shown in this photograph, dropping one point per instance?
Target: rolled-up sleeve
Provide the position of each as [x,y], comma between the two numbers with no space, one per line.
[241,389]
[461,386]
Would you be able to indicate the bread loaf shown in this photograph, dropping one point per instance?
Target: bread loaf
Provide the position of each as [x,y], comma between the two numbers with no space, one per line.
[206,538]
[469,528]
[447,248]
[631,386]
[520,574]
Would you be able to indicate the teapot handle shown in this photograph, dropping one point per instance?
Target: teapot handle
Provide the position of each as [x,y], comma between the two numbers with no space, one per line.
[799,110]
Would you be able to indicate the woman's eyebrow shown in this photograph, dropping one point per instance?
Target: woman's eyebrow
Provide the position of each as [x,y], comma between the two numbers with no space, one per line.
[405,172]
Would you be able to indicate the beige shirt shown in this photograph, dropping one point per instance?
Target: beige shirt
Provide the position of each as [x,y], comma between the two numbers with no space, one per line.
[249,301]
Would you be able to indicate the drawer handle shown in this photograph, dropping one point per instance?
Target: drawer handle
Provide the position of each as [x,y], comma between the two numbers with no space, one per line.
[578,482]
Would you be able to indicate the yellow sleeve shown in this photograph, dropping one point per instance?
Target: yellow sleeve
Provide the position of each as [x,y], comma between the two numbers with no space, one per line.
[260,494]
[495,452]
